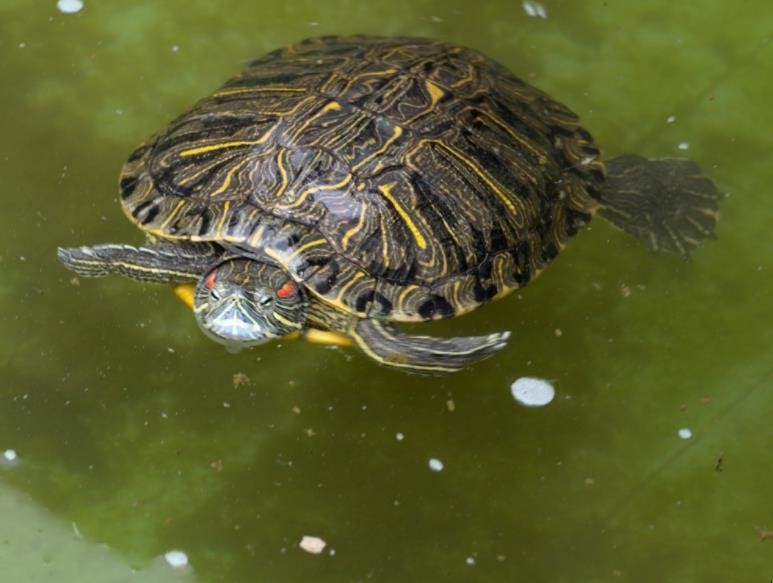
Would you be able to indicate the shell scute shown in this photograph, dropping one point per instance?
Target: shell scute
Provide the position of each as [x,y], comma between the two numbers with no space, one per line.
[400,178]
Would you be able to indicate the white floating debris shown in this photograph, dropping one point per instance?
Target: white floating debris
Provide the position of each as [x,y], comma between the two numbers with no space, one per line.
[470,561]
[671,119]
[399,436]
[176,559]
[534,9]
[9,455]
[312,544]
[684,433]
[532,392]
[175,48]
[69,6]
[435,464]
[683,146]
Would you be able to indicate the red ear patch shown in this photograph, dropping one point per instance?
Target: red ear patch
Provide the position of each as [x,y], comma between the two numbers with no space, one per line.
[287,290]
[209,283]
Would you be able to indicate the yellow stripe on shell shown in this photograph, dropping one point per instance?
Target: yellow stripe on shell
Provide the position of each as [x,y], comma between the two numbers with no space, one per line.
[436,93]
[356,78]
[332,106]
[282,172]
[323,187]
[256,237]
[403,294]
[225,145]
[172,214]
[351,232]
[395,135]
[386,190]
[384,242]
[229,176]
[285,260]
[469,76]
[480,173]
[347,285]
[518,138]
[265,89]
[221,224]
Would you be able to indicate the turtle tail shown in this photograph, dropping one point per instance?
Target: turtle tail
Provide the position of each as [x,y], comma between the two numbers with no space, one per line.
[666,203]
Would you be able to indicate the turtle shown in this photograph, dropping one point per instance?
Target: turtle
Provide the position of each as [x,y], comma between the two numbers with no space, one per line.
[340,186]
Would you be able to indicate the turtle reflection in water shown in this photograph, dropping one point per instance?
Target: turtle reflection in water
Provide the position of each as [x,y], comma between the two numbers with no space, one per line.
[344,184]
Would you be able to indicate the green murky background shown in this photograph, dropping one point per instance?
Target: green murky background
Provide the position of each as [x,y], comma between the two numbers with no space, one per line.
[133,440]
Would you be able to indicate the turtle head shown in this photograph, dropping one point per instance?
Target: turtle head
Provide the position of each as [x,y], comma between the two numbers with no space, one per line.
[243,302]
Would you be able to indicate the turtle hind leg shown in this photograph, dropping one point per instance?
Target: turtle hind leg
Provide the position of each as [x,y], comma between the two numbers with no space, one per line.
[423,354]
[666,203]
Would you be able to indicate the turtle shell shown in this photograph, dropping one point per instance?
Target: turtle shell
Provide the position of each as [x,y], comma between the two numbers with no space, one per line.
[400,178]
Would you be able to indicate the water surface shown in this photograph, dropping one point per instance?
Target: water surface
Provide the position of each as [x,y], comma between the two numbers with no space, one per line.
[131,434]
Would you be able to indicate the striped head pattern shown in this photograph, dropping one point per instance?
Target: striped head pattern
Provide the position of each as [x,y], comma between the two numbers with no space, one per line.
[243,302]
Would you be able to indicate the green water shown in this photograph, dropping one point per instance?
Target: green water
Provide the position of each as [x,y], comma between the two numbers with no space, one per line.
[133,440]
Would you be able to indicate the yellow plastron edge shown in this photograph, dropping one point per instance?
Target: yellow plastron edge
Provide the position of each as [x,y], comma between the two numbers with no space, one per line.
[186,292]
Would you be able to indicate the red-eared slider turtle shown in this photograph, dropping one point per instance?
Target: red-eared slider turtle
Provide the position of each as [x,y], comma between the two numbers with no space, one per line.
[347,184]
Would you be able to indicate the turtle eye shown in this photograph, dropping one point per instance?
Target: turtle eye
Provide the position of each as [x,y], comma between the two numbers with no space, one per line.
[287,290]
[265,302]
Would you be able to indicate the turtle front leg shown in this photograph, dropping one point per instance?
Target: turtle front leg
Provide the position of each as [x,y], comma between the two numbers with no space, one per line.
[160,263]
[423,354]
[326,337]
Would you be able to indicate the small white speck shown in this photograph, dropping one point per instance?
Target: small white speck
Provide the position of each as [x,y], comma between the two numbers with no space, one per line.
[399,436]
[532,392]
[683,146]
[671,119]
[332,552]
[9,455]
[312,544]
[534,9]
[69,6]
[226,404]
[470,561]
[176,559]
[175,48]
[684,433]
[170,349]
[435,464]
[22,45]
[119,111]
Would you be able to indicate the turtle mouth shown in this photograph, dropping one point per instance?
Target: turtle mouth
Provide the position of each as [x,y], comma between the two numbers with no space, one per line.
[236,324]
